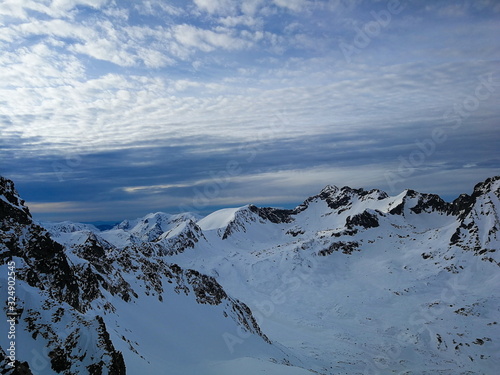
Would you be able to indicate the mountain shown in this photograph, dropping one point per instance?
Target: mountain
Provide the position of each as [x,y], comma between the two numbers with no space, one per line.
[351,281]
[86,306]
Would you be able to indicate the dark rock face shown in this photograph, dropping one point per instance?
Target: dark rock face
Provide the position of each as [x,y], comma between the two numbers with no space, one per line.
[20,368]
[345,247]
[238,224]
[365,219]
[463,205]
[209,292]
[13,209]
[59,360]
[42,263]
[341,199]
[274,215]
[470,235]
[187,239]
[346,195]
[256,214]
[46,264]
[295,232]
[103,267]
[117,363]
[426,203]
[429,203]
[327,194]
[98,268]
[206,288]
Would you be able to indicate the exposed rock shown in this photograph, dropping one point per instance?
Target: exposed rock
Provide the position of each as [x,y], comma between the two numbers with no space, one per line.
[342,199]
[345,247]
[366,219]
[481,238]
[46,265]
[274,215]
[12,207]
[76,292]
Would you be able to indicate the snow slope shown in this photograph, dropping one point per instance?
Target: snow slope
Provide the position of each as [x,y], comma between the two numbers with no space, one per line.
[390,294]
[349,282]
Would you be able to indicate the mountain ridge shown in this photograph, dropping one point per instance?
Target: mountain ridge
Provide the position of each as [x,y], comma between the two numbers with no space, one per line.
[267,274]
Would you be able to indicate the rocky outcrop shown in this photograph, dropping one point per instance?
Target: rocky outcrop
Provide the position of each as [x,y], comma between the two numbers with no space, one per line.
[344,247]
[81,274]
[72,292]
[418,203]
[341,199]
[15,368]
[479,224]
[366,220]
[12,209]
[274,215]
[42,263]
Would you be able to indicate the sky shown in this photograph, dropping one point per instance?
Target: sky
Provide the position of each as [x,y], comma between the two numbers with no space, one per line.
[110,109]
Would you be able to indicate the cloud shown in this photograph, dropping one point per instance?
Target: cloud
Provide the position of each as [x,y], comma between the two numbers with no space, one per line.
[152,188]
[463,8]
[117,111]
[54,28]
[245,20]
[251,7]
[103,49]
[216,6]
[155,7]
[52,69]
[293,5]
[207,40]
[104,101]
[101,39]
[201,184]
[273,169]
[65,5]
[57,8]
[56,208]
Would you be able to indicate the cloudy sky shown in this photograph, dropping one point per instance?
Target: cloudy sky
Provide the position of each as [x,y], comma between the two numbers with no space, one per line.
[113,109]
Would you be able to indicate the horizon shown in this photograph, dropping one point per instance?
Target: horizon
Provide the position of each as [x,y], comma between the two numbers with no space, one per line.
[111,110]
[211,209]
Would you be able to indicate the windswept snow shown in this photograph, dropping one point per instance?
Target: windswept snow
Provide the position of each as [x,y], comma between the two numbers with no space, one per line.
[219,219]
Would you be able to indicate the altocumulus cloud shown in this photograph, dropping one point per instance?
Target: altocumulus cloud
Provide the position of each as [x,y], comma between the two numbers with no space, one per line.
[114,109]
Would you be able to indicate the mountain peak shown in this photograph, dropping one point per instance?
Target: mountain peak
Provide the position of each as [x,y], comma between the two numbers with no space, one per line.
[417,203]
[490,185]
[329,189]
[464,203]
[247,263]
[221,218]
[11,204]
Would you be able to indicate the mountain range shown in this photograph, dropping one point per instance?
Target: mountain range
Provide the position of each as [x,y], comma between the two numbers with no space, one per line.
[351,281]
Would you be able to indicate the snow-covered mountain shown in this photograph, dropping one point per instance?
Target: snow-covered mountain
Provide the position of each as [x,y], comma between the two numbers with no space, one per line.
[349,282]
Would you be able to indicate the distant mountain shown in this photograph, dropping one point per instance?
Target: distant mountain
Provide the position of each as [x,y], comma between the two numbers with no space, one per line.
[349,282]
[104,225]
